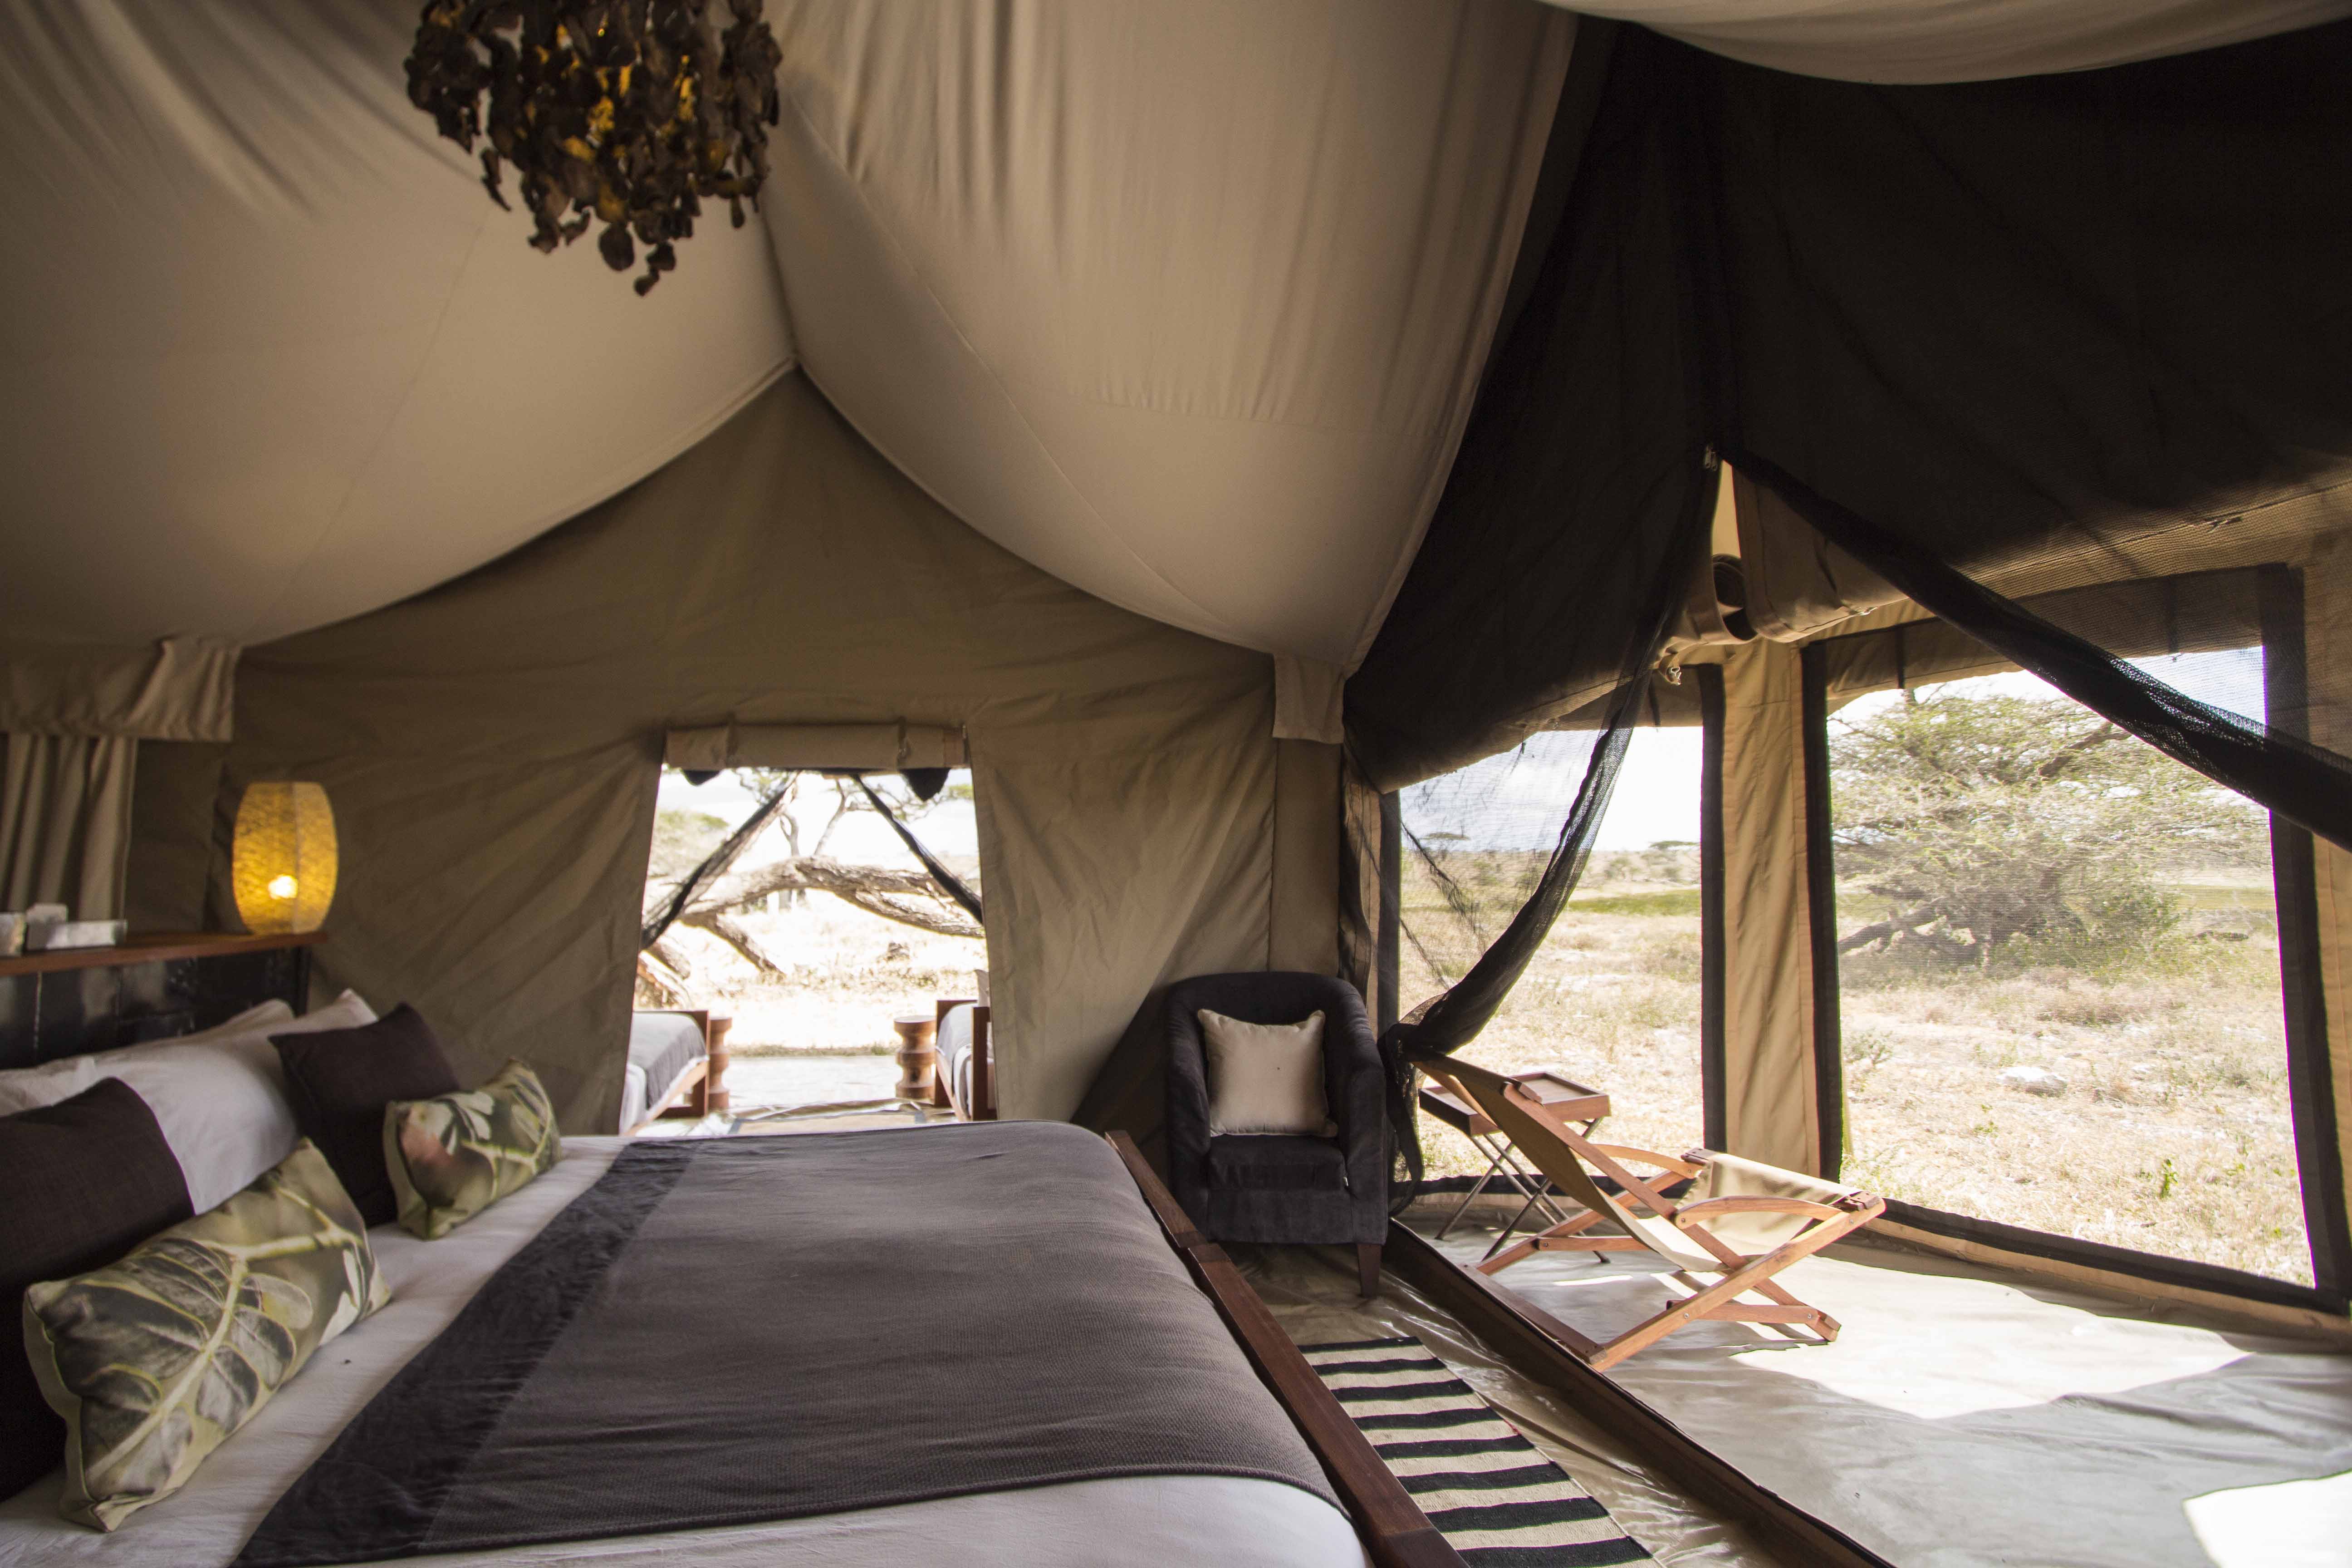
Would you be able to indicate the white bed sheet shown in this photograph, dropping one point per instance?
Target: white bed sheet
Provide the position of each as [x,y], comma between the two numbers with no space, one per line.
[1156,1519]
[634,1099]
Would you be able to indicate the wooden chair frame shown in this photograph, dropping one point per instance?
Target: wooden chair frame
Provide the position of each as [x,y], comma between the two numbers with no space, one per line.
[1569,1159]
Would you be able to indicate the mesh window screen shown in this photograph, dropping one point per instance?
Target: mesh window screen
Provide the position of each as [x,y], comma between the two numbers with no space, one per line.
[2070,968]
[1612,994]
[2082,641]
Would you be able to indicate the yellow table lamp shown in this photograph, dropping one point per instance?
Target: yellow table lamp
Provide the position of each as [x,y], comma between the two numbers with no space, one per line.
[282,863]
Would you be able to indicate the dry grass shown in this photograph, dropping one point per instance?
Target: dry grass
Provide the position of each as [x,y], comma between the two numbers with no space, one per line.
[1613,999]
[2173,1133]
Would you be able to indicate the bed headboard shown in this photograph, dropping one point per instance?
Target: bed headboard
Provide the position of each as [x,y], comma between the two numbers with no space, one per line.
[66,1004]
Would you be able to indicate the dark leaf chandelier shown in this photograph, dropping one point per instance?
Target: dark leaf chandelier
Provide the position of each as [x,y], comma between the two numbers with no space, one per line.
[627,113]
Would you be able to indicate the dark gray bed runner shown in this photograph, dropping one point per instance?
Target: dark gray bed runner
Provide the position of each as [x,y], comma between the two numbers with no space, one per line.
[729,1331]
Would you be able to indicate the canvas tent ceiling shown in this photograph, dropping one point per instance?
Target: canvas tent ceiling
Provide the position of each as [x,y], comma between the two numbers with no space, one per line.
[1186,305]
[273,357]
[1183,303]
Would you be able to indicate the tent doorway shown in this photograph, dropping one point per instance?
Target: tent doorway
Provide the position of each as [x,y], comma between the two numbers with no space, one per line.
[822,926]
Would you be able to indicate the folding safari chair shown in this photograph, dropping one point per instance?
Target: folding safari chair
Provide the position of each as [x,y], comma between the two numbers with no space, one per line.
[1741,1221]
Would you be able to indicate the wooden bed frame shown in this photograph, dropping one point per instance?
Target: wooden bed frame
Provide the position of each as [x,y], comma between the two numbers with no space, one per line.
[1396,1533]
[984,1065]
[701,1088]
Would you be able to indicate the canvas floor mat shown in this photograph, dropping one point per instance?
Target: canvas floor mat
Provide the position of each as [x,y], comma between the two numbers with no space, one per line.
[1489,1490]
[1972,1418]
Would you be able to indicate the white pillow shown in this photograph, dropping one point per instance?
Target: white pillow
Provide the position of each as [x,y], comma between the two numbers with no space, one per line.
[218,1095]
[1266,1078]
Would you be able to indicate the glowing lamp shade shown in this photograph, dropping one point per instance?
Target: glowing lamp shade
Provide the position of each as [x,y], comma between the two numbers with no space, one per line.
[282,864]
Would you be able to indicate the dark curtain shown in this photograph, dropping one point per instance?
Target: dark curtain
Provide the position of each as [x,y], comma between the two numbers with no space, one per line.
[2062,327]
[1581,470]
[1576,510]
[2042,323]
[2024,332]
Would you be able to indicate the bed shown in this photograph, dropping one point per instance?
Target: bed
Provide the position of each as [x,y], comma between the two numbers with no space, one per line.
[814,1276]
[678,1060]
[1157,1519]
[965,1080]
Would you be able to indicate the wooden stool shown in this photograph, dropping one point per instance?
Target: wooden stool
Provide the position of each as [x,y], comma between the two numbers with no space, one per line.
[715,1094]
[919,1055]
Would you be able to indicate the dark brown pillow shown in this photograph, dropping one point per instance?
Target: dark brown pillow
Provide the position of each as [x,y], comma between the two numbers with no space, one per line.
[340,1081]
[89,1179]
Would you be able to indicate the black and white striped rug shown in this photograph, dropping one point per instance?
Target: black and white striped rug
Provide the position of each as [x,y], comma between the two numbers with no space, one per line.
[1489,1491]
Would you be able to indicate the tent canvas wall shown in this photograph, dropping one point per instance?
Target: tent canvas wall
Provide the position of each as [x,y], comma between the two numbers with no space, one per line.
[492,749]
[1136,345]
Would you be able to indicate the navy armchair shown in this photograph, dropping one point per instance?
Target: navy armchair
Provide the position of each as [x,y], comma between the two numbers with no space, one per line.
[1272,1188]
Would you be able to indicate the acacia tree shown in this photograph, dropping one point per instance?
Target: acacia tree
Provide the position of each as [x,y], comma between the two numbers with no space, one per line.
[1984,821]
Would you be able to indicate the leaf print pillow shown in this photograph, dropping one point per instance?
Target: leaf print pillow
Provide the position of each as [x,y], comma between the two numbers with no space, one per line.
[454,1155]
[155,1360]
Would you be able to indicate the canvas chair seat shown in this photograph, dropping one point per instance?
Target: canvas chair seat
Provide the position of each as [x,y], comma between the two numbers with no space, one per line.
[1756,1234]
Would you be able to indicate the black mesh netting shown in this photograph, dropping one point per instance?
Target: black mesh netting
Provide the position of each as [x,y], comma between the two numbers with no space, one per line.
[1490,854]
[2060,359]
[2084,642]
[1492,851]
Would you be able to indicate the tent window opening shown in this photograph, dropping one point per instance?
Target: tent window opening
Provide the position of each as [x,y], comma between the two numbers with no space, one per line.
[797,906]
[1614,996]
[2058,967]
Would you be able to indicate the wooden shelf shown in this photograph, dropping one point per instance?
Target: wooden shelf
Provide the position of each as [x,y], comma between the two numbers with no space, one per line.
[155,948]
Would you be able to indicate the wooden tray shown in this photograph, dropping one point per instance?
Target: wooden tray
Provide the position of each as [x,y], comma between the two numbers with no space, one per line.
[1572,1099]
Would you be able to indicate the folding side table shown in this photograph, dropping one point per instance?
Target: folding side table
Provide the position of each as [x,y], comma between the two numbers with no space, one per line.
[1444,1099]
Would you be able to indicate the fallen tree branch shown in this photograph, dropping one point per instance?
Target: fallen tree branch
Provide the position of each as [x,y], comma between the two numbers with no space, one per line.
[663,982]
[732,932]
[674,958]
[815,874]
[937,919]
[1886,930]
[909,897]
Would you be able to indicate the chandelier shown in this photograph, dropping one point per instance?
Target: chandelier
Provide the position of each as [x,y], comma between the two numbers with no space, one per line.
[626,114]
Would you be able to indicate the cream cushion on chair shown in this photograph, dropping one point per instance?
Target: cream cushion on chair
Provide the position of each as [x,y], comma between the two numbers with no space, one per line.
[1266,1078]
[1730,1176]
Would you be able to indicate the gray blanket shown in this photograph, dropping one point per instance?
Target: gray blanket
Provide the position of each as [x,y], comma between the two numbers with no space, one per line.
[729,1331]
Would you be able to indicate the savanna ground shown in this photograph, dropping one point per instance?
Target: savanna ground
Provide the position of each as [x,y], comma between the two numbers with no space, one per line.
[2171,1133]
